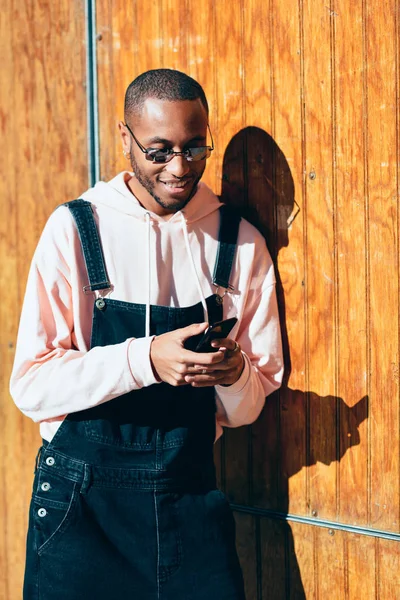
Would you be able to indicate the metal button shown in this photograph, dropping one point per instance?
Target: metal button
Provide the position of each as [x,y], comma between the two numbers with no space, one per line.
[100,303]
[50,461]
[45,486]
[42,512]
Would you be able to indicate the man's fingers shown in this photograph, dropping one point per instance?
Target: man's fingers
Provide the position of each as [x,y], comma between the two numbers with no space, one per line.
[202,359]
[190,330]
[206,379]
[226,343]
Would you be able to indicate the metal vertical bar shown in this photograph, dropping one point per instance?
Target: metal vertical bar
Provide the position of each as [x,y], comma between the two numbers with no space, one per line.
[91,93]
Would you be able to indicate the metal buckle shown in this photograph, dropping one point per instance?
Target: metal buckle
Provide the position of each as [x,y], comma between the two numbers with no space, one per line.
[220,299]
[87,288]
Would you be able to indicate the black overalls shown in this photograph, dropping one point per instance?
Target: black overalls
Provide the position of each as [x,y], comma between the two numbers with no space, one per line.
[125,504]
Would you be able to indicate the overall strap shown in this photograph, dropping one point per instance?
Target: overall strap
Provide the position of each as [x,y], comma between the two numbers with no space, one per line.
[82,212]
[227,238]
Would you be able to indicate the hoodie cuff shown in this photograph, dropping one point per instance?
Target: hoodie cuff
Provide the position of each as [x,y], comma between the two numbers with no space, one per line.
[139,361]
[237,387]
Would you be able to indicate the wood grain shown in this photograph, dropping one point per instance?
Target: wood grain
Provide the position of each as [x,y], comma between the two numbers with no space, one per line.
[230,102]
[8,322]
[273,552]
[43,117]
[383,261]
[320,253]
[117,50]
[174,33]
[330,563]
[294,90]
[202,65]
[290,248]
[302,572]
[388,569]
[361,567]
[351,264]
[246,547]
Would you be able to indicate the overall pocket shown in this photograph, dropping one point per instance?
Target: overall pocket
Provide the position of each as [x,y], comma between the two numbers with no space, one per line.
[53,504]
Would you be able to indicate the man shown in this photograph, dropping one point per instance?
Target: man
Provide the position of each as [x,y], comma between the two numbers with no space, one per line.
[122,284]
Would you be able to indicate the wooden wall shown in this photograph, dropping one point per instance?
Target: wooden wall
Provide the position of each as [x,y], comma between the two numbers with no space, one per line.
[305,105]
[43,163]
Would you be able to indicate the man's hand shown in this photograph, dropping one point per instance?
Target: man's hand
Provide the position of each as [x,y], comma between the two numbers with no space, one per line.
[171,361]
[225,372]
[175,365]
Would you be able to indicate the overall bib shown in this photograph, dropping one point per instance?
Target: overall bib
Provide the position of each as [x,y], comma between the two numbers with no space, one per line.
[124,502]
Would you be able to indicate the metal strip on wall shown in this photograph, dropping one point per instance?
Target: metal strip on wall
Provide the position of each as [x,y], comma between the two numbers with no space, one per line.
[91,93]
[270,514]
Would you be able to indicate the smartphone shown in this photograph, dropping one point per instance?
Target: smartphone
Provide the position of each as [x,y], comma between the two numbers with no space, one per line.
[218,331]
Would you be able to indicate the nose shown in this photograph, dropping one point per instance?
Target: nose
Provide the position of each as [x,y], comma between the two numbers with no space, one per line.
[178,166]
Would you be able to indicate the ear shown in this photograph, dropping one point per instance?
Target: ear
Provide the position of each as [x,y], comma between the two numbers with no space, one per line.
[360,410]
[125,137]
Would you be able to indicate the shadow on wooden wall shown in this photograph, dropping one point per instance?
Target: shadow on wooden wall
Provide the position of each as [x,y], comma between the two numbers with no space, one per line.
[297,428]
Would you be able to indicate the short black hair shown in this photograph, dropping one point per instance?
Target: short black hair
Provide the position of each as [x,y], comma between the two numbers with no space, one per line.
[163,84]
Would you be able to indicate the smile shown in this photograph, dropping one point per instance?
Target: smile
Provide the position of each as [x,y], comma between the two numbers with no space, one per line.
[176,184]
[177,188]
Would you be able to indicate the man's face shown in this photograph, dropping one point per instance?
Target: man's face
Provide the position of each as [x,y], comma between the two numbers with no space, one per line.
[168,187]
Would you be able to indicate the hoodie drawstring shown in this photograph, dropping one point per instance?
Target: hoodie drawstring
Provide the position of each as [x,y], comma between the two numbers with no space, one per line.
[187,243]
[147,328]
[196,277]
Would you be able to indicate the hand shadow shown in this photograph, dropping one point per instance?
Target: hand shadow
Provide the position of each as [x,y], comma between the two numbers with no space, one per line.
[296,428]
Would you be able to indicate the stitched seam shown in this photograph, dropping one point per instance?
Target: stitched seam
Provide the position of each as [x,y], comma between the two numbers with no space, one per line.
[158,544]
[107,441]
[62,526]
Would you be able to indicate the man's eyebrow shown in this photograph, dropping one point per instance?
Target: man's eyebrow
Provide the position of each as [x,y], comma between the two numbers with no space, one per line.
[160,140]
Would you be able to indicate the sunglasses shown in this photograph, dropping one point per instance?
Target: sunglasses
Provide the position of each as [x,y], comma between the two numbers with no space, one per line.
[158,156]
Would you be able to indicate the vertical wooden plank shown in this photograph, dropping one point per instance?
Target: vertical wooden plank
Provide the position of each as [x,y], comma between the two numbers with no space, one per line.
[388,569]
[201,64]
[149,43]
[229,82]
[290,214]
[320,269]
[383,262]
[105,94]
[116,61]
[174,28]
[246,548]
[302,566]
[8,310]
[330,561]
[258,204]
[257,67]
[130,43]
[229,99]
[273,548]
[361,567]
[351,241]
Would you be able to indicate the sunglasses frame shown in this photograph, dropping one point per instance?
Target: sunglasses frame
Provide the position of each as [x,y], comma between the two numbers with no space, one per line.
[172,153]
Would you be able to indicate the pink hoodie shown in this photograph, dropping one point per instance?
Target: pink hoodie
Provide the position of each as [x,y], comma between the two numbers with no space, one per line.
[149,259]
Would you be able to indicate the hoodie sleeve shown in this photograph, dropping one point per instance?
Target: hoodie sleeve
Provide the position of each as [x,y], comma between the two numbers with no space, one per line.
[259,337]
[55,372]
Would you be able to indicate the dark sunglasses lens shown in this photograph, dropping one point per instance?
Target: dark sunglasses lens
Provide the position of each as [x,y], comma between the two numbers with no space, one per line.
[158,156]
[164,156]
[199,153]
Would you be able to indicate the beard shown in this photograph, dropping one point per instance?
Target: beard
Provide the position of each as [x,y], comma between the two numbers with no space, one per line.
[148,185]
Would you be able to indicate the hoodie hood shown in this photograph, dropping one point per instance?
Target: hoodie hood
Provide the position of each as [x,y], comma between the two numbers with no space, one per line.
[116,194]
